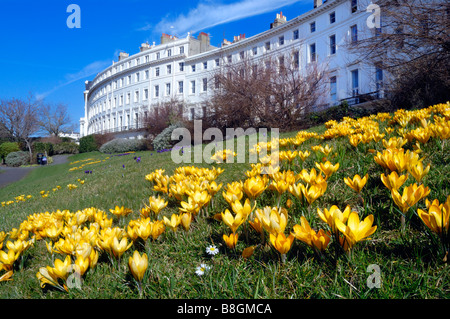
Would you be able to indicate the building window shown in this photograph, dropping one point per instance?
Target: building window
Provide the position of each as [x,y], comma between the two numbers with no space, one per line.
[378,79]
[181,49]
[217,62]
[355,82]
[281,40]
[229,58]
[169,69]
[205,84]
[354,33]
[146,74]
[296,59]
[167,88]
[216,82]
[137,77]
[205,65]
[193,87]
[255,50]
[157,71]
[169,52]
[193,67]
[145,94]
[147,58]
[312,27]
[181,66]
[312,52]
[121,100]
[129,80]
[267,45]
[180,87]
[332,44]
[136,96]
[333,89]
[192,113]
[295,34]
[158,55]
[241,55]
[332,17]
[128,98]
[156,90]
[354,6]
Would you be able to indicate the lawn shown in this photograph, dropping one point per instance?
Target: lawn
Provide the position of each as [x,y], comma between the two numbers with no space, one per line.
[402,258]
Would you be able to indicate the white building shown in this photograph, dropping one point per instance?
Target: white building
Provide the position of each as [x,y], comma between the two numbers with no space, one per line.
[118,96]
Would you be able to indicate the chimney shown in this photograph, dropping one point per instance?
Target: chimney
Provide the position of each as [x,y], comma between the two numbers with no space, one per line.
[279,20]
[123,55]
[317,3]
[166,38]
[204,41]
[239,37]
[144,46]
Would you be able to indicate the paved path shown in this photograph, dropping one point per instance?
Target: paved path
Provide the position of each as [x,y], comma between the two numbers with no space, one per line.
[10,175]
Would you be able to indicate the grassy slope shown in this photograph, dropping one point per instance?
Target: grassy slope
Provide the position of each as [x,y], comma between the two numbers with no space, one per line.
[410,266]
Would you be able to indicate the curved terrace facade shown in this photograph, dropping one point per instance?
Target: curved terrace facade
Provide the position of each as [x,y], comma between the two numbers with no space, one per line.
[119,96]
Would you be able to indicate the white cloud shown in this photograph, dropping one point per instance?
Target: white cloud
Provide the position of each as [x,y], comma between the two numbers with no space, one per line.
[211,14]
[88,70]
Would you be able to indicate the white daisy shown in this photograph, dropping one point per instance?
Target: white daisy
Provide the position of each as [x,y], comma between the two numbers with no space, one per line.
[200,271]
[212,250]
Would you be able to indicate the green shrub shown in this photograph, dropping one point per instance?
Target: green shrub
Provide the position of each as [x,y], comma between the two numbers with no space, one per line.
[8,147]
[88,144]
[43,147]
[65,148]
[16,159]
[164,139]
[121,145]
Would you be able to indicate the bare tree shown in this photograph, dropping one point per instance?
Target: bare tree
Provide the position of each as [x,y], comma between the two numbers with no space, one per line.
[264,93]
[156,118]
[19,119]
[411,43]
[55,119]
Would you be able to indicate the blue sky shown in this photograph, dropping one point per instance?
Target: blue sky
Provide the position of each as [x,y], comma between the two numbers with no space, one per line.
[41,55]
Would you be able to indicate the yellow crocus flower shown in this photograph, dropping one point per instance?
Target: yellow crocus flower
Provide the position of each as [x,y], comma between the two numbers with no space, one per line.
[332,215]
[233,222]
[327,168]
[254,186]
[119,247]
[230,240]
[357,183]
[437,217]
[356,230]
[418,171]
[173,222]
[282,243]
[138,265]
[62,268]
[393,180]
[306,234]
[410,196]
[156,204]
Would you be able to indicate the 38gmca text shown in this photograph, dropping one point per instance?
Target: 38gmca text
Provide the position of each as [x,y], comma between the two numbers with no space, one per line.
[225,308]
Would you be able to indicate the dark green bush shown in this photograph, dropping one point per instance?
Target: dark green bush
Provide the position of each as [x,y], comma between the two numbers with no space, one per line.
[65,148]
[43,147]
[16,159]
[8,147]
[88,144]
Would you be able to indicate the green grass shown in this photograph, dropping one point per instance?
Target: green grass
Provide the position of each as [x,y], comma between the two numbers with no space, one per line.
[410,263]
